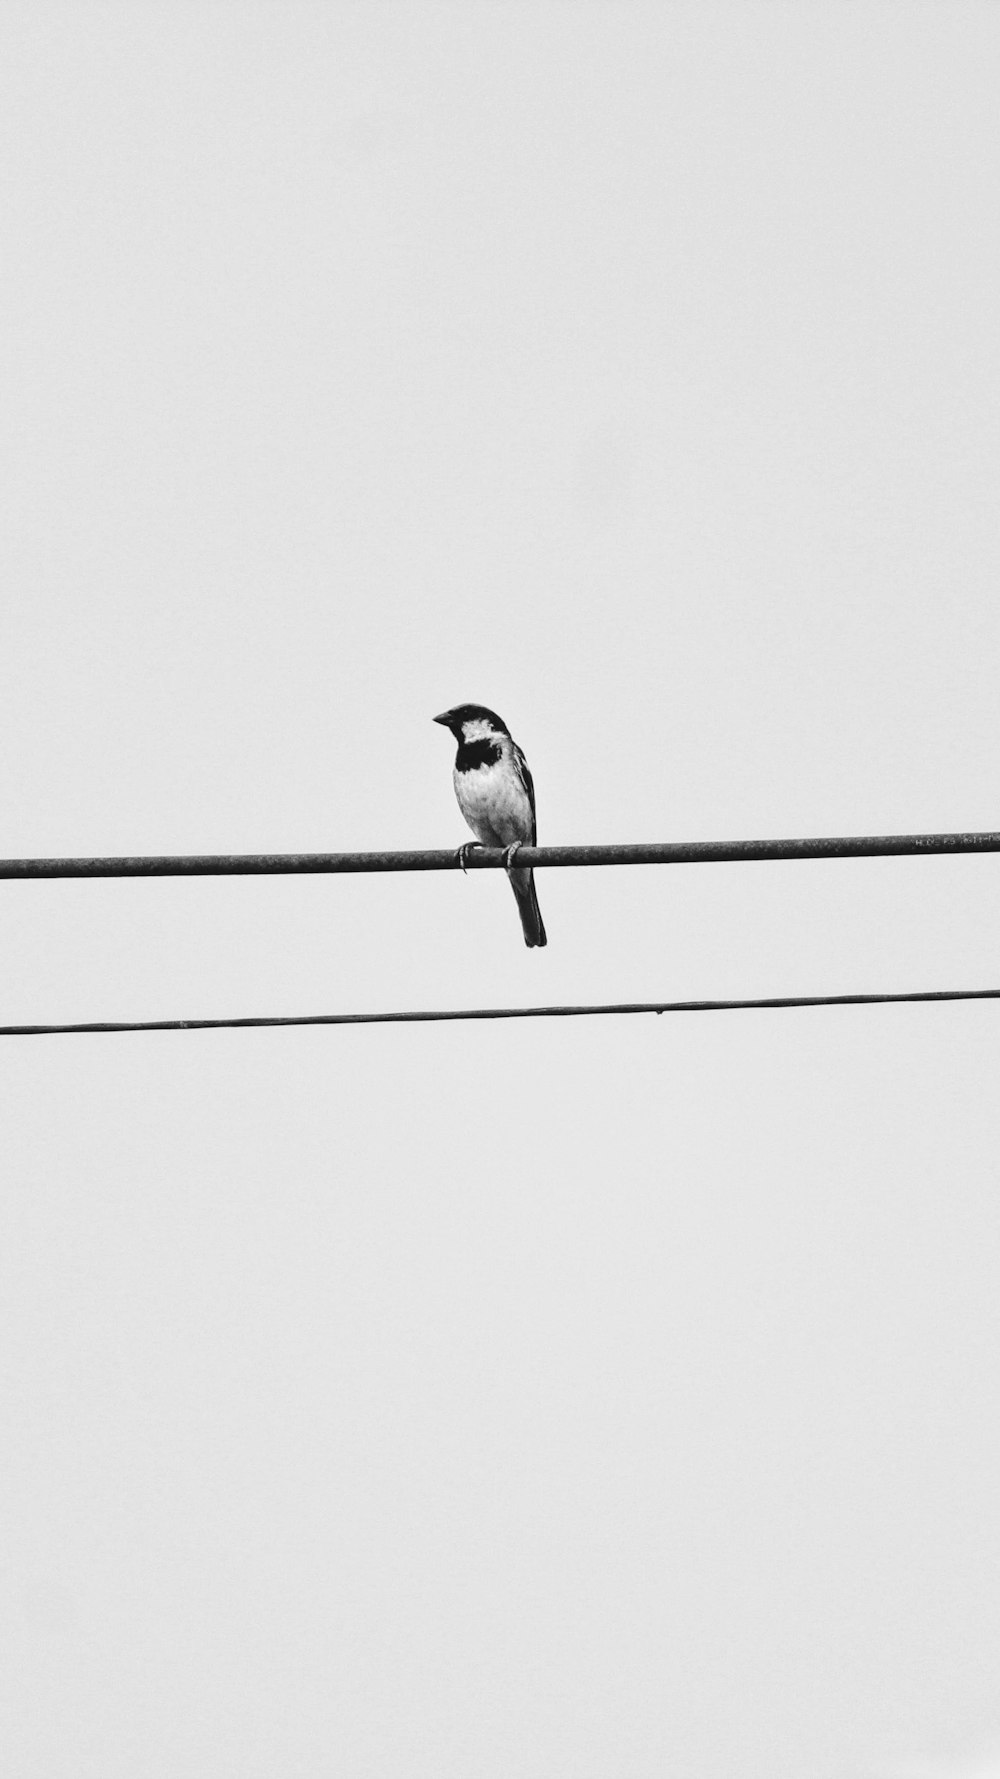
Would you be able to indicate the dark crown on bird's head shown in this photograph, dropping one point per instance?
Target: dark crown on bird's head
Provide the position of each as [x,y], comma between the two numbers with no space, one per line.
[456,719]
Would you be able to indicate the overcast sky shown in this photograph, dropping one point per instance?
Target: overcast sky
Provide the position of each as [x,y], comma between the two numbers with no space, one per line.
[560,1398]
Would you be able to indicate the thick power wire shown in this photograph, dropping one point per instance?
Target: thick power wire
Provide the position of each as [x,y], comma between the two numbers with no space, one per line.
[684,852]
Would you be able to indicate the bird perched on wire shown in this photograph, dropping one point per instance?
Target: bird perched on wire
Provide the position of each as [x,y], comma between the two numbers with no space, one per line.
[497,798]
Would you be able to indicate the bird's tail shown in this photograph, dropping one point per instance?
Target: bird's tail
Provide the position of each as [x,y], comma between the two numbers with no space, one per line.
[523,885]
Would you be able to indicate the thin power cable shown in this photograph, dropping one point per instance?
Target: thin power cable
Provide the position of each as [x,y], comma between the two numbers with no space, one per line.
[697,852]
[439,1014]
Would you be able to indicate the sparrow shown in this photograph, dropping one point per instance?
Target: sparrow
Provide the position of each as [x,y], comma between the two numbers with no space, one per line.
[497,798]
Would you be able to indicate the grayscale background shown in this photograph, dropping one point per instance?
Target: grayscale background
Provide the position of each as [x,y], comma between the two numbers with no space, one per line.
[575,1399]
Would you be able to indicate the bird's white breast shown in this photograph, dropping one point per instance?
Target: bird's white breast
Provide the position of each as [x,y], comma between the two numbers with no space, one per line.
[494,803]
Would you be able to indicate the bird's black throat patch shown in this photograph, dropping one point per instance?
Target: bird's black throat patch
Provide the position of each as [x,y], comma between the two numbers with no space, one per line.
[473,754]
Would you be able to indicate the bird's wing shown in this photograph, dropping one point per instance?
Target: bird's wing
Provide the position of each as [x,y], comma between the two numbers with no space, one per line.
[523,773]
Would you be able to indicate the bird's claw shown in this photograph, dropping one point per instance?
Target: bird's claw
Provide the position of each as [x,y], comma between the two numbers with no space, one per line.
[477,846]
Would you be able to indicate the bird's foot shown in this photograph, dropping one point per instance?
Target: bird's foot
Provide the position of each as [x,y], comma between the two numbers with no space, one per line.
[509,852]
[464,851]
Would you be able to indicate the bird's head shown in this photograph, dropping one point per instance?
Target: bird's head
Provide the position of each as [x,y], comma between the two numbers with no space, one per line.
[472,722]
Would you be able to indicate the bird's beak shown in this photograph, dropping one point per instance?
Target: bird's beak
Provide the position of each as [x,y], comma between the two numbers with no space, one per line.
[444,718]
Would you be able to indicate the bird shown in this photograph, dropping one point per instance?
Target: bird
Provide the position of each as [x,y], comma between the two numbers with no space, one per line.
[497,798]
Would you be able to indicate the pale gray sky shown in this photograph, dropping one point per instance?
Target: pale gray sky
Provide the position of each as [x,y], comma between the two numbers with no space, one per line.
[612,1398]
